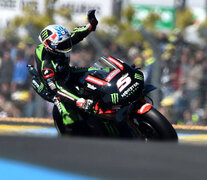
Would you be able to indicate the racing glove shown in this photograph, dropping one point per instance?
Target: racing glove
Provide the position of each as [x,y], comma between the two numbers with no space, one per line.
[92,19]
[85,104]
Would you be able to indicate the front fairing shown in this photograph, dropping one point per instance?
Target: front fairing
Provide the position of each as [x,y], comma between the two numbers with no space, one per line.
[125,87]
[112,85]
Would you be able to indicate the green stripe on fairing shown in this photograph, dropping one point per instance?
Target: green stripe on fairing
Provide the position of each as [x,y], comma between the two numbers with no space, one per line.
[66,92]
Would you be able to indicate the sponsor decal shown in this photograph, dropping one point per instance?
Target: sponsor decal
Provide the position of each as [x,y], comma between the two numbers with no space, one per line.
[37,87]
[52,85]
[35,84]
[96,80]
[130,90]
[115,98]
[116,62]
[138,76]
[57,103]
[112,74]
[41,87]
[123,82]
[90,86]
[44,35]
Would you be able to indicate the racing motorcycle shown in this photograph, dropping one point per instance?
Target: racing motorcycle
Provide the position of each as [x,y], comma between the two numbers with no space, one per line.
[122,108]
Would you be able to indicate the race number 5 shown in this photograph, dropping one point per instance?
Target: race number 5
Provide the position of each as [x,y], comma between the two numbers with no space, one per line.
[123,82]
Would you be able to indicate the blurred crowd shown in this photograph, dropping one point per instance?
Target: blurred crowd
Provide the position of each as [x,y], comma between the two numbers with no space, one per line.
[15,91]
[183,80]
[182,85]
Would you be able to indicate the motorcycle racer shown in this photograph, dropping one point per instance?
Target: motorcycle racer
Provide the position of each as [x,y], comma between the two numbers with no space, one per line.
[54,73]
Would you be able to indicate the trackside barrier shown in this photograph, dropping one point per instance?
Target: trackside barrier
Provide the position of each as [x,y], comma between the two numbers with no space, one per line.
[187,127]
[50,121]
[27,120]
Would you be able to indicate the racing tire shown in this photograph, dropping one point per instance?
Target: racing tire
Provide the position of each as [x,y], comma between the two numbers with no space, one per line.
[154,126]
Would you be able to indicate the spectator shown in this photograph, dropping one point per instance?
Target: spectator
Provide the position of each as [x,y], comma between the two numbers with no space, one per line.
[183,79]
[194,78]
[6,72]
[203,85]
[20,74]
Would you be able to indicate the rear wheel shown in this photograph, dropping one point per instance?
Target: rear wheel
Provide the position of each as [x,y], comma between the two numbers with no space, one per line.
[154,126]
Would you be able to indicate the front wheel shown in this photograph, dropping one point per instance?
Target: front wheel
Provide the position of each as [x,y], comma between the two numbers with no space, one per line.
[154,126]
[58,121]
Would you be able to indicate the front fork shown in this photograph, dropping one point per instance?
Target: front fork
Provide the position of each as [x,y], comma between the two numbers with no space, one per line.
[140,107]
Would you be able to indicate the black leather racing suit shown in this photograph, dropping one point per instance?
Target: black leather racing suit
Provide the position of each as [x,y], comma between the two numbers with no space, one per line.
[55,74]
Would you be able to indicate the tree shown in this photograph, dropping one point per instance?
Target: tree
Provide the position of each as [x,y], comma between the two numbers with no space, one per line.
[150,21]
[184,18]
[121,31]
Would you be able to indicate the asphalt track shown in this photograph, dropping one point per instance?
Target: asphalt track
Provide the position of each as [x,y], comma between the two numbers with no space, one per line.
[37,144]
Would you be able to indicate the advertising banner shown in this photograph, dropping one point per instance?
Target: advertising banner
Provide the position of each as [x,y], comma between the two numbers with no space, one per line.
[167,15]
[10,8]
[80,8]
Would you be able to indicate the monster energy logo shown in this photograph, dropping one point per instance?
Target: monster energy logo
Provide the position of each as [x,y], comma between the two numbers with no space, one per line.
[40,88]
[115,98]
[44,35]
[138,76]
[37,87]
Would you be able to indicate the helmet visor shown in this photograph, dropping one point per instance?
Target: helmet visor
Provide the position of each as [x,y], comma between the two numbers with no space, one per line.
[65,46]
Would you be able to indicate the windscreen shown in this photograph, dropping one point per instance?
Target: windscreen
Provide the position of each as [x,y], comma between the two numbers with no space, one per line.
[103,63]
[106,70]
